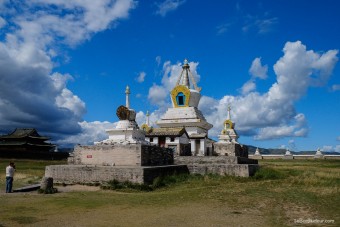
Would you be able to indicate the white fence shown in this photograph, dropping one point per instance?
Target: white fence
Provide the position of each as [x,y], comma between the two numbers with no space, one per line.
[293,156]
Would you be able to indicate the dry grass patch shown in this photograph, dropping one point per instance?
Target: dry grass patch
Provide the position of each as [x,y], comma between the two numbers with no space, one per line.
[283,190]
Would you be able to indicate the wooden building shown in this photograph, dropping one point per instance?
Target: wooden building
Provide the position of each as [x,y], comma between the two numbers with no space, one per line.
[25,139]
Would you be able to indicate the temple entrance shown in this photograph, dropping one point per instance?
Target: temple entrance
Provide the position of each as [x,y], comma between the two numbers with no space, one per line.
[185,150]
[161,141]
[198,146]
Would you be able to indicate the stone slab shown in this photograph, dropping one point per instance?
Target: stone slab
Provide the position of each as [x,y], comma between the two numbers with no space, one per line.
[184,160]
[239,170]
[231,149]
[75,174]
[222,165]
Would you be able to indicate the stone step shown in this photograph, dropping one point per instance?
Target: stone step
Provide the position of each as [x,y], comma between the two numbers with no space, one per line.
[27,188]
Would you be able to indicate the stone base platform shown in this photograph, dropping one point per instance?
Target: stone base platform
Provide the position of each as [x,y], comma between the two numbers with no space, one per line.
[75,174]
[222,165]
[121,155]
[231,149]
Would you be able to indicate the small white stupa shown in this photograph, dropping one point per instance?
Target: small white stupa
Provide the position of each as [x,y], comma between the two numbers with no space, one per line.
[227,144]
[318,153]
[288,154]
[228,133]
[127,130]
[257,151]
[146,127]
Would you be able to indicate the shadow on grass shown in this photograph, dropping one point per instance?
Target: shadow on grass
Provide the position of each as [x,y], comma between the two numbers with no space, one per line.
[25,220]
[159,182]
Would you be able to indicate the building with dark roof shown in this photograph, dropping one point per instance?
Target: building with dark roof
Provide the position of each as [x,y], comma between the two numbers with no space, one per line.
[25,139]
[175,138]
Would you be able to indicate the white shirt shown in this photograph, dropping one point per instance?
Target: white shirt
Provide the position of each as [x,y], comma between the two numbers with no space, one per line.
[9,171]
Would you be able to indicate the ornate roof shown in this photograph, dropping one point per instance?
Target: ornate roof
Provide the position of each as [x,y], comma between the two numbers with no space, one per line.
[166,132]
[24,132]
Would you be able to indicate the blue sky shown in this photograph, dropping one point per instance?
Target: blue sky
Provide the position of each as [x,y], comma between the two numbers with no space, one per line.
[64,66]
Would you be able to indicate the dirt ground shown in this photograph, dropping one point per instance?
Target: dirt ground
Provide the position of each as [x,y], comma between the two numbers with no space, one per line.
[185,214]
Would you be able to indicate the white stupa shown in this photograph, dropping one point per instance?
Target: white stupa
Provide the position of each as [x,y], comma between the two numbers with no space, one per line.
[257,151]
[185,112]
[318,154]
[228,133]
[127,130]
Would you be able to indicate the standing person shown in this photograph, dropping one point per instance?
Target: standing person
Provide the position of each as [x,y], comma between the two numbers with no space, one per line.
[9,177]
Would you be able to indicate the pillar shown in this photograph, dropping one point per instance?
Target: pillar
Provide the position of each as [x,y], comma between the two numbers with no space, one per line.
[193,147]
[203,147]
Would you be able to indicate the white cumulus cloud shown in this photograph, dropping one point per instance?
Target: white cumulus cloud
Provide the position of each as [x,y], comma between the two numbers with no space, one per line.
[272,114]
[32,94]
[167,6]
[2,22]
[337,148]
[336,87]
[257,70]
[247,87]
[141,77]
[158,94]
[327,148]
[90,132]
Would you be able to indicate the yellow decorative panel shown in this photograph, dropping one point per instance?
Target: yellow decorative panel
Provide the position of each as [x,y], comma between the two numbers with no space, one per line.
[146,128]
[176,91]
[228,124]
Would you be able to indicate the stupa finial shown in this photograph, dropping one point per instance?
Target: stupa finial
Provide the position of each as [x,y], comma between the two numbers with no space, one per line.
[147,118]
[127,92]
[229,115]
[186,73]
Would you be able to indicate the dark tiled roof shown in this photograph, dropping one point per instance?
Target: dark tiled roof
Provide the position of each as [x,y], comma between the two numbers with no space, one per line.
[22,143]
[12,143]
[24,132]
[166,132]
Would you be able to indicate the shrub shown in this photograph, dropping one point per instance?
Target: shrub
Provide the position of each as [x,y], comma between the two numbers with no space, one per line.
[48,191]
[116,185]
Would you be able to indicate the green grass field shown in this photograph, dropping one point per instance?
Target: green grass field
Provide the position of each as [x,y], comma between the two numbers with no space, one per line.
[282,192]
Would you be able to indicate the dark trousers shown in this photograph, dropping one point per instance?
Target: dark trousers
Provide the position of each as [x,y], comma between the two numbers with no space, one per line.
[9,184]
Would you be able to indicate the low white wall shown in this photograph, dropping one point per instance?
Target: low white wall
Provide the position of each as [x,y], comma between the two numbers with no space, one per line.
[300,156]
